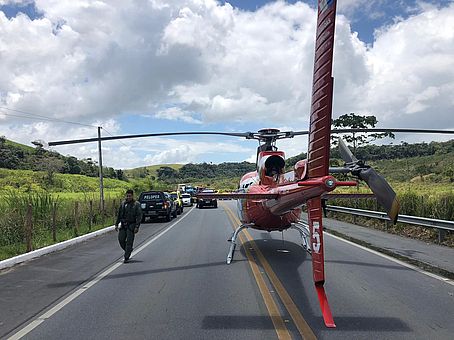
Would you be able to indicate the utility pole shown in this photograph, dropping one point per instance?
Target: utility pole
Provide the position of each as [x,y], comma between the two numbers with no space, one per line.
[101,184]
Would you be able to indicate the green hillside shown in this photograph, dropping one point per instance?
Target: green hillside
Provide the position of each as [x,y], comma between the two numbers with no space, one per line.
[28,181]
[25,148]
[224,176]
[403,163]
[151,170]
[17,156]
[434,168]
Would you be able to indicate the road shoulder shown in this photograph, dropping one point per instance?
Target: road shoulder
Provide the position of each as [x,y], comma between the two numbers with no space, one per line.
[427,256]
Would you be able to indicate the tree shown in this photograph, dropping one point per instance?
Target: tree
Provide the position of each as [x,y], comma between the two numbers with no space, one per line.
[51,166]
[109,172]
[9,159]
[354,121]
[72,166]
[166,173]
[121,175]
[449,172]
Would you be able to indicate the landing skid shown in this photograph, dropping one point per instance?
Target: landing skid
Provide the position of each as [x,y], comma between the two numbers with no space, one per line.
[232,241]
[303,229]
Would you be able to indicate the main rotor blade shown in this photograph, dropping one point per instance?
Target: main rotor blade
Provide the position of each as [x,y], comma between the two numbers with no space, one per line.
[300,133]
[383,191]
[405,130]
[247,135]
[345,152]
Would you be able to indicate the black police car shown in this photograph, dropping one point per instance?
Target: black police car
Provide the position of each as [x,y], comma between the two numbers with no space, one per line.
[156,204]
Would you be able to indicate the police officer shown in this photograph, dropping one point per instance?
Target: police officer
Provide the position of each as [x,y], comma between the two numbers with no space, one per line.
[130,216]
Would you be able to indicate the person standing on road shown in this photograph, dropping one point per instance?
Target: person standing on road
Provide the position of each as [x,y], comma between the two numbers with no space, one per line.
[130,216]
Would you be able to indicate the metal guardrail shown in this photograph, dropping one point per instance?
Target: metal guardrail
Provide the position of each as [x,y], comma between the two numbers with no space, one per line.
[441,225]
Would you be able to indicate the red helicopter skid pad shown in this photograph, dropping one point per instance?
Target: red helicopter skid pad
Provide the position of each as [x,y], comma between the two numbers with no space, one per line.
[324,306]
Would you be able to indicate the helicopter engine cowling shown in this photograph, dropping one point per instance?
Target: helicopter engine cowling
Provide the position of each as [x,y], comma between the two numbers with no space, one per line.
[271,165]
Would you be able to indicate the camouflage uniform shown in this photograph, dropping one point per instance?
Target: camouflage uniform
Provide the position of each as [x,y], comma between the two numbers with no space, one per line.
[130,216]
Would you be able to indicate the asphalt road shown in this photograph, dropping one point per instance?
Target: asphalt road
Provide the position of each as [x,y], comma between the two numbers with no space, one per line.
[179,287]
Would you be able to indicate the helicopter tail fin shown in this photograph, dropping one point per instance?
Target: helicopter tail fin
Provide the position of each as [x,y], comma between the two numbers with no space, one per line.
[322,91]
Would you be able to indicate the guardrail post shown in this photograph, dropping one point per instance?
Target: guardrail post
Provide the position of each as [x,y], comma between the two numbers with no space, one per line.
[114,205]
[76,218]
[54,222]
[90,216]
[29,228]
[441,235]
[103,215]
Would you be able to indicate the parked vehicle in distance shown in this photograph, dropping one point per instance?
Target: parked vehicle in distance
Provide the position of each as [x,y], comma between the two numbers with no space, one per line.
[176,197]
[186,198]
[203,202]
[182,187]
[156,204]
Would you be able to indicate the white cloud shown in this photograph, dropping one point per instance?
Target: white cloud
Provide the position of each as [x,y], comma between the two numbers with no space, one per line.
[92,61]
[167,150]
[260,63]
[177,113]
[411,71]
[15,2]
[182,154]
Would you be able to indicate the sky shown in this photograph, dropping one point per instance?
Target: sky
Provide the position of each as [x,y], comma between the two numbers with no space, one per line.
[148,66]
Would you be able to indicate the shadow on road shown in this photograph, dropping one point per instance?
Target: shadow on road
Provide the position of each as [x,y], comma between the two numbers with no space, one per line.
[356,263]
[344,323]
[370,323]
[296,276]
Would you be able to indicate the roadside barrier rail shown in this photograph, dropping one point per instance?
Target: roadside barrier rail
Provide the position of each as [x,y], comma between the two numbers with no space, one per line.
[441,225]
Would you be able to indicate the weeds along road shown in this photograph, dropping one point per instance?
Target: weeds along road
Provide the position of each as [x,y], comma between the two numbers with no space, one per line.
[178,286]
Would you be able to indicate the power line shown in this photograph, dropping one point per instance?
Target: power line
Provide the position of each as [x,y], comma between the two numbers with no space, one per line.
[113,136]
[19,116]
[46,118]
[41,117]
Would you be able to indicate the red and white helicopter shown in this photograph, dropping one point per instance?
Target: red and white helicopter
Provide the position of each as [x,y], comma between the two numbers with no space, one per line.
[271,199]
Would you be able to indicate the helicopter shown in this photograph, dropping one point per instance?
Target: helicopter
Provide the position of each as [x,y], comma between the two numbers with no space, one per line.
[271,199]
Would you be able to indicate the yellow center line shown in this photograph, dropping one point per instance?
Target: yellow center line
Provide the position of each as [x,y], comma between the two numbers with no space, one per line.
[301,324]
[279,325]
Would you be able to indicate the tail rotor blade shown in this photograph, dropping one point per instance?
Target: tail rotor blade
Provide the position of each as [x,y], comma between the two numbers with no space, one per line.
[345,152]
[383,191]
[386,196]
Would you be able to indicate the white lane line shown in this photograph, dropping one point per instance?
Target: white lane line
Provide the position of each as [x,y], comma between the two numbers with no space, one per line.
[40,319]
[390,258]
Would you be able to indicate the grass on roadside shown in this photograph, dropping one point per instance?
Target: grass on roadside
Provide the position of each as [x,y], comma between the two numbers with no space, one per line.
[44,239]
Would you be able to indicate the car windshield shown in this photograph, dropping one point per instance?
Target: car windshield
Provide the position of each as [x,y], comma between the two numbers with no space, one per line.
[186,196]
[173,195]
